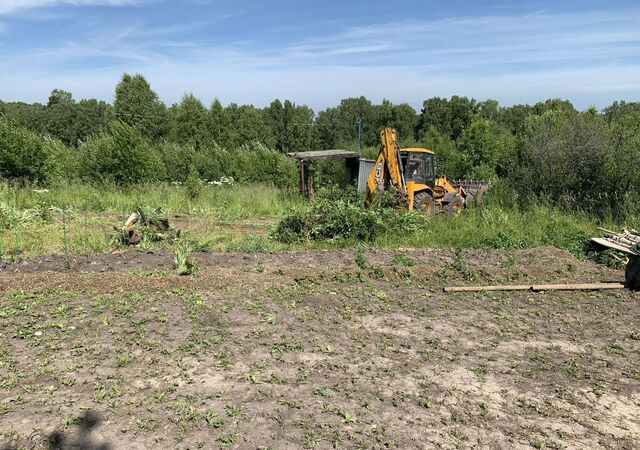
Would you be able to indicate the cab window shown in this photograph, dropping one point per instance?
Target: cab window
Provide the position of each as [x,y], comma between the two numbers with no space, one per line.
[419,167]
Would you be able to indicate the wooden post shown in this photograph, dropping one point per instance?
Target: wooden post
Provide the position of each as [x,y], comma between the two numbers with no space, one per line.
[632,275]
[312,187]
[303,188]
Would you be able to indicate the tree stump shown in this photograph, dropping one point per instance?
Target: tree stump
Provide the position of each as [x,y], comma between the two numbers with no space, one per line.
[632,275]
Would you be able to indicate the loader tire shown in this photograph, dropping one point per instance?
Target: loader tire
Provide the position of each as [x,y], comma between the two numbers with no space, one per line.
[477,199]
[632,275]
[455,206]
[424,203]
[471,201]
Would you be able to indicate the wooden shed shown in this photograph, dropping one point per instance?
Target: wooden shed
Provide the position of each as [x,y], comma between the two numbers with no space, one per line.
[305,159]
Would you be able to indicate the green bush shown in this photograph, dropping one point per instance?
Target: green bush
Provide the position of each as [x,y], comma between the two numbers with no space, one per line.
[193,185]
[346,220]
[253,163]
[257,163]
[122,157]
[24,156]
[177,160]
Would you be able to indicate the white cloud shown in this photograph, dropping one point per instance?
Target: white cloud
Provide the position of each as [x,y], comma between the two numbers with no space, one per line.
[13,6]
[590,58]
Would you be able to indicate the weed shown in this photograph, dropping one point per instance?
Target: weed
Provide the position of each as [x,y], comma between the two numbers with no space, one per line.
[401,259]
[459,265]
[361,261]
[181,262]
[124,360]
[228,439]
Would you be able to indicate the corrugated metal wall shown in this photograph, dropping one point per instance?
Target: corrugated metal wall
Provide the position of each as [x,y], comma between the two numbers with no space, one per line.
[366,167]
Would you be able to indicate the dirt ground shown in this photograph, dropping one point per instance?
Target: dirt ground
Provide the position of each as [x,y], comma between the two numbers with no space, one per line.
[334,349]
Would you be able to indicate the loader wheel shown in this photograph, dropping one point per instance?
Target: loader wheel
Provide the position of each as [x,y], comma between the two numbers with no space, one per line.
[471,200]
[632,275]
[477,199]
[455,206]
[424,203]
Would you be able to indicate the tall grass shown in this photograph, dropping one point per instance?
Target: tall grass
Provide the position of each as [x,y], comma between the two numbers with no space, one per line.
[243,201]
[220,218]
[242,218]
[499,228]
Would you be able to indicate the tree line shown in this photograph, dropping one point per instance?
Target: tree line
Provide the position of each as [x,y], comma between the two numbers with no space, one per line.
[579,159]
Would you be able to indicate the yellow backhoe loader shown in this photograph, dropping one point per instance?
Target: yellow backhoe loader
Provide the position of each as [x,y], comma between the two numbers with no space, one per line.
[411,172]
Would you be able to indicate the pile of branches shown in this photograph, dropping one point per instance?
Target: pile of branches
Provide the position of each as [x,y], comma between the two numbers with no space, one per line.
[151,225]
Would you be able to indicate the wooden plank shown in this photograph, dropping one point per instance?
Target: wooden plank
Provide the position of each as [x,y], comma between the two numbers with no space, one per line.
[537,287]
[614,245]
[324,154]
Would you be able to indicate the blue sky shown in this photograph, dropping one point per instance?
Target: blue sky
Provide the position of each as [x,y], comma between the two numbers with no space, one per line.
[317,52]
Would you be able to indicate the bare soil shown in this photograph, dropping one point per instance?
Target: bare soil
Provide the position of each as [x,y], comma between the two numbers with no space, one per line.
[331,349]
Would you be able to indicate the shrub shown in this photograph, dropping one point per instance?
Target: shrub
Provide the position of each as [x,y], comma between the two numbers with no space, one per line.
[193,185]
[177,160]
[122,157]
[346,220]
[259,164]
[573,160]
[24,156]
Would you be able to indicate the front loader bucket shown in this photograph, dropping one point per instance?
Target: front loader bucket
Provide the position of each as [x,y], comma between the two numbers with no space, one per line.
[475,190]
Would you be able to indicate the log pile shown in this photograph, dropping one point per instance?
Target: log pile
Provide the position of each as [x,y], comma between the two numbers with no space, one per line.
[628,243]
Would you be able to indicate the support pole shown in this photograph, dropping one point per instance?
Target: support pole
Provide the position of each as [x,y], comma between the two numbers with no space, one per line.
[303,188]
[312,187]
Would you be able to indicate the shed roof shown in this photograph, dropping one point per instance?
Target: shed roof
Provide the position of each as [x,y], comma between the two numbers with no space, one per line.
[324,154]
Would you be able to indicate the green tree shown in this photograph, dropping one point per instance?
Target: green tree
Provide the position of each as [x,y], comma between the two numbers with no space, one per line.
[178,159]
[489,109]
[121,156]
[515,117]
[60,97]
[291,126]
[449,117]
[60,118]
[349,112]
[553,104]
[567,158]
[29,116]
[247,124]
[191,123]
[327,136]
[445,150]
[623,188]
[485,148]
[92,117]
[218,123]
[402,118]
[618,110]
[139,106]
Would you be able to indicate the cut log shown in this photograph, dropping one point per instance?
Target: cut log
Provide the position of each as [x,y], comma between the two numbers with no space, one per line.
[537,287]
[632,275]
[131,221]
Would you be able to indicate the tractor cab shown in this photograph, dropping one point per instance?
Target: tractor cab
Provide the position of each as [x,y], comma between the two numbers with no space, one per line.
[419,165]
